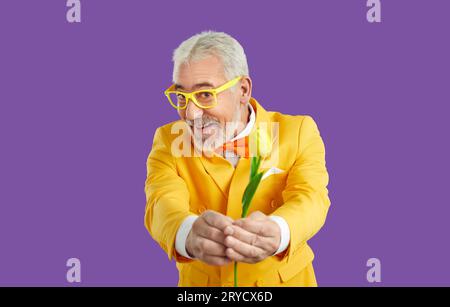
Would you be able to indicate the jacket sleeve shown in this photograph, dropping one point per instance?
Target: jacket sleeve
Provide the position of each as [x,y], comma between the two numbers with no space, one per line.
[305,197]
[167,197]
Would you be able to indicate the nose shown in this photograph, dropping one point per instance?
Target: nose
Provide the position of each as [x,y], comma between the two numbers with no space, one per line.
[193,111]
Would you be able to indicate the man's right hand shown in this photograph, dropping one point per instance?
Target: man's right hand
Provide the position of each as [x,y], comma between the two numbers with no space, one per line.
[206,238]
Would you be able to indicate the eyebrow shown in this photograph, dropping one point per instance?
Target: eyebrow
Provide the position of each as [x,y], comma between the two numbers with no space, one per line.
[198,85]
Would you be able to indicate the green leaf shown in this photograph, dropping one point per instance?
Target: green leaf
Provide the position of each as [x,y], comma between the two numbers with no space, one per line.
[249,192]
[251,188]
[254,166]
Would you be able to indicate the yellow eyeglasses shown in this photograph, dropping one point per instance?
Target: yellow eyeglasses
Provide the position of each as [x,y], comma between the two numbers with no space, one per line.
[204,99]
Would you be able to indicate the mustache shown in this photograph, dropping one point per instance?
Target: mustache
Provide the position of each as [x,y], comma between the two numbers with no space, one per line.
[202,122]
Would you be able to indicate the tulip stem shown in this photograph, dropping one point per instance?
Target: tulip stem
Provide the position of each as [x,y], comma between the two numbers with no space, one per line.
[255,179]
[235,274]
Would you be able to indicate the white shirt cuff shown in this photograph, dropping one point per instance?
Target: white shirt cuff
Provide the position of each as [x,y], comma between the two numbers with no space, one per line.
[182,234]
[285,233]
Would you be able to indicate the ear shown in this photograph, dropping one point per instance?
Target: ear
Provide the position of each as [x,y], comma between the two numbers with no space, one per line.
[245,90]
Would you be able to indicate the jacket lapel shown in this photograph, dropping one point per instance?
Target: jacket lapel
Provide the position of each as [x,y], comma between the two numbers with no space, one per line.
[220,170]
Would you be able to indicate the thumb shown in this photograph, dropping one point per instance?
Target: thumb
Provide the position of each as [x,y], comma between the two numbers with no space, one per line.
[257,215]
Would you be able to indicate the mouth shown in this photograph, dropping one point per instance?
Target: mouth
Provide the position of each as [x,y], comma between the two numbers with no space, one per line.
[205,130]
[201,127]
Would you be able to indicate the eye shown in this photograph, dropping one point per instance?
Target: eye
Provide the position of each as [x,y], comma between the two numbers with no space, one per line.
[206,94]
[180,97]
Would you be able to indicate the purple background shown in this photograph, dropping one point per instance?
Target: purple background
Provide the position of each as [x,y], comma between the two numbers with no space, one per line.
[79,104]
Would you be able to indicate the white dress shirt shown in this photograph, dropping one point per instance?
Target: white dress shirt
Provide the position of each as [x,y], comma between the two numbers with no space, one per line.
[186,226]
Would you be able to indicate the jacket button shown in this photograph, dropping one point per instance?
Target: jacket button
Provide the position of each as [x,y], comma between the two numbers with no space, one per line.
[272,203]
[201,209]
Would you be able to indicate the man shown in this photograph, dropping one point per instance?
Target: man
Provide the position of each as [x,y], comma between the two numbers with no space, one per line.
[194,205]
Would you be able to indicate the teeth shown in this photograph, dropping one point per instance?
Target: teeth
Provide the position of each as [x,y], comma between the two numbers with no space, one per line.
[202,127]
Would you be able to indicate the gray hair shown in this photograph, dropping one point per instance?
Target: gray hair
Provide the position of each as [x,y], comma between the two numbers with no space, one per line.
[211,43]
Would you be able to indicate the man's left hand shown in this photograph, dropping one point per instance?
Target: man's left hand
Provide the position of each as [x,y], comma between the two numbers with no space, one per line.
[252,239]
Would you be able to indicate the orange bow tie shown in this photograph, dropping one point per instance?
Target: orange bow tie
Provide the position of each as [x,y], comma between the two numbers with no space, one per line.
[240,147]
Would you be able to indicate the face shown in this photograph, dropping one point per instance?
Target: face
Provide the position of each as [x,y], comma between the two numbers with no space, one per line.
[214,126]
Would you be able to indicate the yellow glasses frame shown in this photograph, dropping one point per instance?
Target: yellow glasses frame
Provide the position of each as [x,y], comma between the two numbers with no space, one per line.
[191,95]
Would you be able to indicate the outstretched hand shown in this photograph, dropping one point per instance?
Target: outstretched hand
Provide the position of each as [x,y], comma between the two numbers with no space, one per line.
[252,239]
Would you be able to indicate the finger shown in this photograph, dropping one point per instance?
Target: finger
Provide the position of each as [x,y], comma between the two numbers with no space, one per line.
[244,249]
[211,248]
[216,219]
[216,260]
[257,215]
[210,233]
[259,227]
[235,256]
[250,238]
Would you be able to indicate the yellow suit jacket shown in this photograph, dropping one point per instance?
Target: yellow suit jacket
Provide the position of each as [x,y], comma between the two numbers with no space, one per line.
[177,187]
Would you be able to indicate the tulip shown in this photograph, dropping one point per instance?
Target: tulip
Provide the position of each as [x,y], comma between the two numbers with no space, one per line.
[260,143]
[264,148]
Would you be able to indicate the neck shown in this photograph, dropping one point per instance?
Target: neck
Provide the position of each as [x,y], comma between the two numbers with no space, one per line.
[245,117]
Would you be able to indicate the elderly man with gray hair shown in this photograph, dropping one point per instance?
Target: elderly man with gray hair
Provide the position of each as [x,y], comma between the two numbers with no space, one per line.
[193,199]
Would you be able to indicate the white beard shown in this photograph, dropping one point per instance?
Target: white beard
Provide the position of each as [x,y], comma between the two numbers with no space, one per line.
[217,134]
